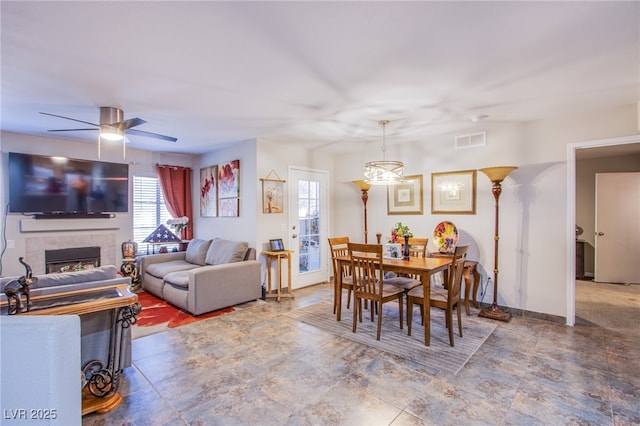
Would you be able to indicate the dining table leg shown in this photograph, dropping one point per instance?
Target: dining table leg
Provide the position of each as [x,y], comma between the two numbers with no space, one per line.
[338,293]
[426,290]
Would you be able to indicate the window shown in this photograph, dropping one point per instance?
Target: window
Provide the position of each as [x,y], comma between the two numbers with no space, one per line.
[149,209]
[309,225]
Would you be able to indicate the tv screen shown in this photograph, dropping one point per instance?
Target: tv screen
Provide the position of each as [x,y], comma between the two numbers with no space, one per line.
[44,184]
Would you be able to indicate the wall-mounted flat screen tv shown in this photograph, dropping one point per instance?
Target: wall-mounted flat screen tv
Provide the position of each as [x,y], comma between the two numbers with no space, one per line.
[47,184]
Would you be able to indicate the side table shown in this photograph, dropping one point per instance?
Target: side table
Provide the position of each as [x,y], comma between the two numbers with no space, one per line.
[470,267]
[278,256]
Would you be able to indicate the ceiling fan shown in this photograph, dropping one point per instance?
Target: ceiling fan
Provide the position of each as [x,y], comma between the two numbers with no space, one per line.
[113,126]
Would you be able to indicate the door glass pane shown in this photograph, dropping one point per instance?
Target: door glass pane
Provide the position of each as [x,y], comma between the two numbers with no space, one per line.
[308,226]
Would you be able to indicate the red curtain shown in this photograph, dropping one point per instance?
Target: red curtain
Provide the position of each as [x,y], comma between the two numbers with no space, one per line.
[175,182]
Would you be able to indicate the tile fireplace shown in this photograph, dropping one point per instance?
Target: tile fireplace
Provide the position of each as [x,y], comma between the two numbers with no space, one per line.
[37,245]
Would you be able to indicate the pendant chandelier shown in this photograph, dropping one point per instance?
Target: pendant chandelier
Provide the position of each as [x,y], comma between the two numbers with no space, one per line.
[383,172]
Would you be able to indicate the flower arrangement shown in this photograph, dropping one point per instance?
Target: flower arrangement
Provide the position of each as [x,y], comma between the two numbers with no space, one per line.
[178,223]
[398,231]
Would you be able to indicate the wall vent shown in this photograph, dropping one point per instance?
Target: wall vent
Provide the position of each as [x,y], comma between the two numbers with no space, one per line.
[471,140]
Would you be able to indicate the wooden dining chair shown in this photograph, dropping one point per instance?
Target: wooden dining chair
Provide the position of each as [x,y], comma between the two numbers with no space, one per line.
[338,246]
[366,269]
[444,298]
[417,248]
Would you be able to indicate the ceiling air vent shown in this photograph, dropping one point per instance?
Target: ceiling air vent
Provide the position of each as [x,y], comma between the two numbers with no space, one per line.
[471,140]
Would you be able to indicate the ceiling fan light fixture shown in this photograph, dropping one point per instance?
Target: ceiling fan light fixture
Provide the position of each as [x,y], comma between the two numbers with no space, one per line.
[111,133]
[384,172]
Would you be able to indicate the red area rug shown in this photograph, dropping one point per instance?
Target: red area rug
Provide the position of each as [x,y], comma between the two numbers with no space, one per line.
[158,315]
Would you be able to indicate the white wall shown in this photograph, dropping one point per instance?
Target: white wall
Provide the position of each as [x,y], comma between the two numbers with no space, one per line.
[276,156]
[532,254]
[142,162]
[242,228]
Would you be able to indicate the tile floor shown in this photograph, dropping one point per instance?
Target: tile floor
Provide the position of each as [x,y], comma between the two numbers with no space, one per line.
[258,367]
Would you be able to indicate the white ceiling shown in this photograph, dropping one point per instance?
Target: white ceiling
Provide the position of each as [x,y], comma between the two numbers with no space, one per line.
[315,73]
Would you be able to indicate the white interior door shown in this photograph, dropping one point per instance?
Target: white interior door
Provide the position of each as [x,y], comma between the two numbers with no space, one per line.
[617,250]
[308,226]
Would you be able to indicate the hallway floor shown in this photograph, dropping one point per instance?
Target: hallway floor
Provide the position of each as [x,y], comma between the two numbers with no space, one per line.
[256,366]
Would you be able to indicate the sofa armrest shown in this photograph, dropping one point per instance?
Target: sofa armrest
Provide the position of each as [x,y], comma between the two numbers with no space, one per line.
[218,286]
[158,258]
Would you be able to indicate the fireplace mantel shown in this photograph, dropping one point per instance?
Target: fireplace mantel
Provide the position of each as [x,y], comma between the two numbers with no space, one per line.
[52,225]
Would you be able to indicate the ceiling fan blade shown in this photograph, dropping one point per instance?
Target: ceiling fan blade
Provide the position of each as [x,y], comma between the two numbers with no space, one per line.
[67,130]
[132,122]
[72,119]
[151,135]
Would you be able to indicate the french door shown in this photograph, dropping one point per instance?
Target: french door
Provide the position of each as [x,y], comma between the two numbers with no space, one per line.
[308,226]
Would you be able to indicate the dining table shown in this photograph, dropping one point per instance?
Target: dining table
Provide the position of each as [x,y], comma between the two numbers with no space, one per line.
[424,267]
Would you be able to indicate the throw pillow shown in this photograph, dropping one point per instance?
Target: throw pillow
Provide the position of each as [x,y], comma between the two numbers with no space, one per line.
[197,251]
[225,251]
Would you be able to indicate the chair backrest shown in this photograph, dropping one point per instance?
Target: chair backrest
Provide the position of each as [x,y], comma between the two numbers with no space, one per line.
[366,269]
[418,247]
[455,274]
[338,246]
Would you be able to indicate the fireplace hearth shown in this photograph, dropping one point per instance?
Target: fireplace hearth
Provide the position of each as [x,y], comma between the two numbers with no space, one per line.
[71,259]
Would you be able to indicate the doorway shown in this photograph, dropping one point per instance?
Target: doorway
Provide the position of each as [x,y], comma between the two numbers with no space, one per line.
[308,226]
[625,143]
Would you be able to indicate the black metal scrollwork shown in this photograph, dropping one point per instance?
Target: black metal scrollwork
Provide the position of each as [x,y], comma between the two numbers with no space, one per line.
[99,380]
[128,315]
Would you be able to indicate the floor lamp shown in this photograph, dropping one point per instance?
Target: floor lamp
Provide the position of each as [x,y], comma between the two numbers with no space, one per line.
[496,175]
[364,187]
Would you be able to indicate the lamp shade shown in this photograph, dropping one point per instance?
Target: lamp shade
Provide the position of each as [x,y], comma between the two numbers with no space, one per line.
[162,234]
[364,186]
[498,173]
[384,172]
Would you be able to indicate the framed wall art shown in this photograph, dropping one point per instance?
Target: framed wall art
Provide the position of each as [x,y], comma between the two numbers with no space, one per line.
[229,179]
[209,191]
[406,197]
[272,194]
[229,189]
[228,207]
[453,192]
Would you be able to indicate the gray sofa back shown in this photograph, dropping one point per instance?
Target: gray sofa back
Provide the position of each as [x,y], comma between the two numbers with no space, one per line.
[218,251]
[100,273]
[71,281]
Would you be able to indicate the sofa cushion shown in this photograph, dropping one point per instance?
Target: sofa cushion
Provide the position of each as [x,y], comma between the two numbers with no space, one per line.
[161,269]
[225,251]
[100,273]
[197,251]
[178,279]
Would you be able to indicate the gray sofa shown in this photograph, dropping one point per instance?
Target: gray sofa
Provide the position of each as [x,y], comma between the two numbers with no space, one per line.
[209,275]
[96,326]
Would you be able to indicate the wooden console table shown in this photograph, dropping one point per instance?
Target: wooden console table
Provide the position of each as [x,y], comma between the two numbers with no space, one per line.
[470,267]
[278,256]
[99,382]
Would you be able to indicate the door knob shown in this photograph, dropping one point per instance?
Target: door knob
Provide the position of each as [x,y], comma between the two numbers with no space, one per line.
[599,234]
[294,236]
